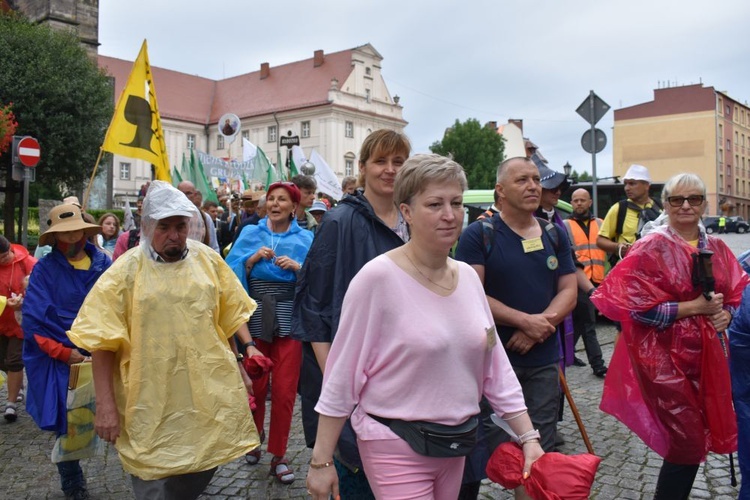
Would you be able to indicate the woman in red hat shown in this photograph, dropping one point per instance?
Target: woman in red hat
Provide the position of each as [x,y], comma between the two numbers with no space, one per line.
[266,258]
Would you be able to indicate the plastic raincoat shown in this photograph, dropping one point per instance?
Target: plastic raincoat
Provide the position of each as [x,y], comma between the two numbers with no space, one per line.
[11,277]
[294,244]
[671,387]
[182,405]
[56,292]
[739,363]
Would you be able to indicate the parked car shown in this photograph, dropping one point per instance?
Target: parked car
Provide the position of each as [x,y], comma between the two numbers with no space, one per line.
[735,224]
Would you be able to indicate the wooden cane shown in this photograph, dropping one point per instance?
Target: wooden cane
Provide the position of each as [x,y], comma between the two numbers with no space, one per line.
[574,409]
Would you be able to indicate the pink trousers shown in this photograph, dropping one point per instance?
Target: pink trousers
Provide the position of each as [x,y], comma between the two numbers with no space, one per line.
[395,471]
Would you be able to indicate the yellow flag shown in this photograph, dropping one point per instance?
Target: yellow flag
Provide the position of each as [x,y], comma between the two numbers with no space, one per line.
[135,130]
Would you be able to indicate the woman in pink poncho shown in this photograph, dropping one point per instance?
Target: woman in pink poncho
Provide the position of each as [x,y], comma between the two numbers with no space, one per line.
[669,378]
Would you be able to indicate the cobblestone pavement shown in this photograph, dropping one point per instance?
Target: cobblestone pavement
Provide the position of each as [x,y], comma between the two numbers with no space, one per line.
[628,469]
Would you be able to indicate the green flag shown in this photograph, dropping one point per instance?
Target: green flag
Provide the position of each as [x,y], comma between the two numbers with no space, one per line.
[264,165]
[200,180]
[292,167]
[185,169]
[176,177]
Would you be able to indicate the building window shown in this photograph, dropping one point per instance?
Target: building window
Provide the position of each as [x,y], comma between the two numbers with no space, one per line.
[124,171]
[272,133]
[729,144]
[368,71]
[191,141]
[349,129]
[367,95]
[219,141]
[349,168]
[305,132]
[246,134]
[728,110]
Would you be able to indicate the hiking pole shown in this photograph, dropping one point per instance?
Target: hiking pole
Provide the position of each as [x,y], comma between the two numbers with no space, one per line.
[574,409]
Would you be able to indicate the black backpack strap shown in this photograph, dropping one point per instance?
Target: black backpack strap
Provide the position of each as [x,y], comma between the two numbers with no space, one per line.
[622,212]
[133,238]
[551,229]
[488,234]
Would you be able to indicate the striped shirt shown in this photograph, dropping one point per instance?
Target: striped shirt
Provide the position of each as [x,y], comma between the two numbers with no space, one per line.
[259,288]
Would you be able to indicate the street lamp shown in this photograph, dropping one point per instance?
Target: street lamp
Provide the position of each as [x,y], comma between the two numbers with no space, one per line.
[308,168]
[567,169]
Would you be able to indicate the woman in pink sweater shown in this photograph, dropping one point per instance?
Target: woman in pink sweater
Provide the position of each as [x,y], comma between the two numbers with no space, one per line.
[416,342]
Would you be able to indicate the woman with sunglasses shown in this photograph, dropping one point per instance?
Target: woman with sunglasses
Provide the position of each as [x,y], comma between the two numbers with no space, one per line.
[668,380]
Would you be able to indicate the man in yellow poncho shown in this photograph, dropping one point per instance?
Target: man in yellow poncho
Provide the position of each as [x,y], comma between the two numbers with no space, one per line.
[169,393]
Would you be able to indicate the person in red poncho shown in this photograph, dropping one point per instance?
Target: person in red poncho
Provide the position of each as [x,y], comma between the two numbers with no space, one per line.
[668,380]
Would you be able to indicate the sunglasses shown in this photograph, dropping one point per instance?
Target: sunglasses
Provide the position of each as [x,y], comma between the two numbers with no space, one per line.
[694,200]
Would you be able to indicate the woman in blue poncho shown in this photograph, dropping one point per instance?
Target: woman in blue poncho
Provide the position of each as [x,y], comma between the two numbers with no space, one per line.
[266,259]
[57,286]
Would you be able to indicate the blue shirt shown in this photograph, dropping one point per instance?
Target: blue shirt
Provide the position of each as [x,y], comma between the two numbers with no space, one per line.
[523,281]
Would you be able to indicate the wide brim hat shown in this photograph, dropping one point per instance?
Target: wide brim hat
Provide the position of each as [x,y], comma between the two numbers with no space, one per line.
[549,178]
[64,218]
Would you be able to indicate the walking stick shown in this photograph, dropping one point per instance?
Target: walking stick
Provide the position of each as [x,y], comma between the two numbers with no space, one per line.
[574,409]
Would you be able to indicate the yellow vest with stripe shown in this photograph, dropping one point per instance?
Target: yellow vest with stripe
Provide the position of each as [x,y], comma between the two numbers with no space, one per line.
[589,255]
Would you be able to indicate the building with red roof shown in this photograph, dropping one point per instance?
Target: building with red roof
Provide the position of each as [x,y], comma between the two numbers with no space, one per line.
[331,101]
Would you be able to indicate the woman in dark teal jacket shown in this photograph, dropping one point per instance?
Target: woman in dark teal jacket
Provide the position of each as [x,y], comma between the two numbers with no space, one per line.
[362,226]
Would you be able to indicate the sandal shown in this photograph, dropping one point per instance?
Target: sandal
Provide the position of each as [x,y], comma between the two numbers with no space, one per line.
[280,469]
[253,457]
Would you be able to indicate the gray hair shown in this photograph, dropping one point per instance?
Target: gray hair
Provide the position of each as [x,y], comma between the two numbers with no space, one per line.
[422,170]
[688,181]
[503,167]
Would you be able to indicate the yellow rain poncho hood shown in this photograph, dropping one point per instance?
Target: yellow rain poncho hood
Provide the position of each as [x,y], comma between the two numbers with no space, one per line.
[182,405]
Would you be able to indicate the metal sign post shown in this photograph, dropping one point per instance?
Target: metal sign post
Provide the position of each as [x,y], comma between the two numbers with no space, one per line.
[592,109]
[25,156]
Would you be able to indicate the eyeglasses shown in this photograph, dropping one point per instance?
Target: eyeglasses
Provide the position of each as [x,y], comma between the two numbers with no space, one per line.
[694,200]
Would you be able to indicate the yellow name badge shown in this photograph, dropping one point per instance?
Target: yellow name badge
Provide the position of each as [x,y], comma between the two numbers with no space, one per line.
[491,338]
[532,245]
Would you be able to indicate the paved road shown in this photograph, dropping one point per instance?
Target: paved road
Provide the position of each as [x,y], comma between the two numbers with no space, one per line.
[628,469]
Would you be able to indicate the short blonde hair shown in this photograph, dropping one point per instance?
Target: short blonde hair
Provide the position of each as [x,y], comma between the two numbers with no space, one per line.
[421,170]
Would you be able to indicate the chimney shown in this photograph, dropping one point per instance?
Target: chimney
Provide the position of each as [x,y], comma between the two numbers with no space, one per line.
[318,58]
[518,123]
[265,71]
[492,125]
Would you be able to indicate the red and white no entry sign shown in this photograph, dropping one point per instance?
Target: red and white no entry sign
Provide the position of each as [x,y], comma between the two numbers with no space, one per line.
[28,152]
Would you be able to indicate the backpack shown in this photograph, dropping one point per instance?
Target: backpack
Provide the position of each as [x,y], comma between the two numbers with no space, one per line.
[644,215]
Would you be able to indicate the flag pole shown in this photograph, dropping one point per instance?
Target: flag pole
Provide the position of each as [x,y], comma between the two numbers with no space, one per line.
[91,181]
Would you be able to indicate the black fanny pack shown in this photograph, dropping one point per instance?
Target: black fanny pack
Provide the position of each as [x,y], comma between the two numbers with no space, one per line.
[435,440]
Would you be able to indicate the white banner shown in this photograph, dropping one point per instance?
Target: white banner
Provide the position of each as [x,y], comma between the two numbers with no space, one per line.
[327,180]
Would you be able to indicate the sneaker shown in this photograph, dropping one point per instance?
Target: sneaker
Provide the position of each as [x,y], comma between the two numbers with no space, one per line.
[10,413]
[20,396]
[578,361]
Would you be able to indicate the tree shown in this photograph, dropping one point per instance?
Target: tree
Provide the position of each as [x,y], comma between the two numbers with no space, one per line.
[478,149]
[59,96]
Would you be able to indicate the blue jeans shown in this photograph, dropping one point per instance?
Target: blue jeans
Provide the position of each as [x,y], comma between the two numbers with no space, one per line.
[71,476]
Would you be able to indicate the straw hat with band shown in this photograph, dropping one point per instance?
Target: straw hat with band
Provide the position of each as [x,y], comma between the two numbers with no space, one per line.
[64,218]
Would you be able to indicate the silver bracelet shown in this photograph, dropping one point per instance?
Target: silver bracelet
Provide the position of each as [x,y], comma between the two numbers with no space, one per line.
[516,416]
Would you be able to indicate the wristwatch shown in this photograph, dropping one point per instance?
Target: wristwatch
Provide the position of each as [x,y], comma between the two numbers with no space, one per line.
[248,344]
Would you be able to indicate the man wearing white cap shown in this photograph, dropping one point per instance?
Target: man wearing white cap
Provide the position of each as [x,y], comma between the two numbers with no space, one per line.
[625,219]
[169,393]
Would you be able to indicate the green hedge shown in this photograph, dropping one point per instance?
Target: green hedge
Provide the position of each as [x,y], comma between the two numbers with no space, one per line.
[34,214]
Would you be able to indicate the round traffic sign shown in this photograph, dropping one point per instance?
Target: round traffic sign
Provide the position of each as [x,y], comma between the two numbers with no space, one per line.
[600,140]
[28,152]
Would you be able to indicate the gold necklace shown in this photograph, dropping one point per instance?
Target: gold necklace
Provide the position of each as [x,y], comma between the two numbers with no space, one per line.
[447,288]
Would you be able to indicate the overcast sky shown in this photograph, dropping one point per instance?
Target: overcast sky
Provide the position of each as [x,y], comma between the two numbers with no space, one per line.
[535,60]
